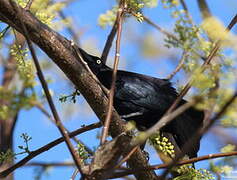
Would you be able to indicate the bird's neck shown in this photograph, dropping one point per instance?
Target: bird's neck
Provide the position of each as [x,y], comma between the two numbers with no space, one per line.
[105,76]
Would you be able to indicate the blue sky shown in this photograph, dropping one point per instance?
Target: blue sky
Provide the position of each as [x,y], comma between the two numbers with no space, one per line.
[85,14]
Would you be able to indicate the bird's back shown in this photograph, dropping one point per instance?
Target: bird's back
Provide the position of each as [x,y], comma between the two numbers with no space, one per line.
[145,99]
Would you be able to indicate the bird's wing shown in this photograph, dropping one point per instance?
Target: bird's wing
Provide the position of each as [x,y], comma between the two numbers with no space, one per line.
[154,96]
[150,93]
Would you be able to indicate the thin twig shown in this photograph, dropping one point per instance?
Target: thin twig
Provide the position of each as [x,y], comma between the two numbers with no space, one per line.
[126,157]
[224,135]
[55,164]
[179,66]
[188,161]
[105,129]
[70,29]
[77,159]
[42,109]
[75,172]
[46,148]
[201,131]
[168,34]
[4,31]
[205,11]
[108,43]
[46,113]
[28,5]
[185,7]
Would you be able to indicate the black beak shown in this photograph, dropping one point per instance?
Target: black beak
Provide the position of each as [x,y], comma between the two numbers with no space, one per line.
[91,61]
[86,57]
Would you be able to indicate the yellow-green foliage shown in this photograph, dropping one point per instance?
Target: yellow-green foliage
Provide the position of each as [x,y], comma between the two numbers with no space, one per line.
[149,46]
[12,96]
[22,95]
[229,119]
[47,11]
[132,6]
[228,148]
[221,73]
[16,100]
[220,169]
[44,10]
[214,28]
[22,3]
[151,3]
[137,5]
[162,144]
[7,156]
[108,18]
[82,152]
[203,80]
[188,173]
[217,31]
[170,3]
[188,37]
[24,67]
[139,16]
[224,165]
[4,111]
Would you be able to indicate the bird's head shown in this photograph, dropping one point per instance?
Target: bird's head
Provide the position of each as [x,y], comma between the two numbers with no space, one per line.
[94,62]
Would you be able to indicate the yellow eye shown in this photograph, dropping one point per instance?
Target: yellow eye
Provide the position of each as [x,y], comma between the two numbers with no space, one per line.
[98,61]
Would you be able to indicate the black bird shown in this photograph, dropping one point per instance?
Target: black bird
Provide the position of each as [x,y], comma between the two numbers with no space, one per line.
[145,99]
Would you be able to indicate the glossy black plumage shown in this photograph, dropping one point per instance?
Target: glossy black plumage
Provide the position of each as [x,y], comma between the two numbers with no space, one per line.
[145,99]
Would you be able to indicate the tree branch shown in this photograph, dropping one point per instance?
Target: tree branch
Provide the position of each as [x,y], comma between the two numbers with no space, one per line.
[46,113]
[108,43]
[119,18]
[55,164]
[60,50]
[205,11]
[179,66]
[46,148]
[183,162]
[168,34]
